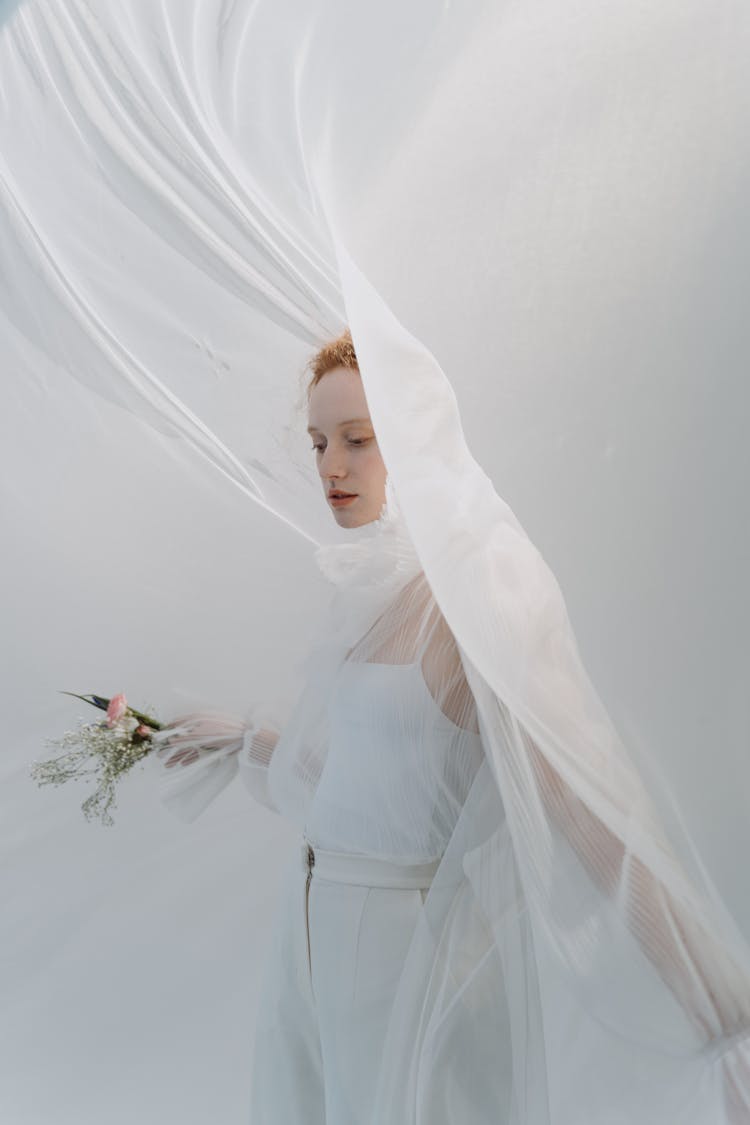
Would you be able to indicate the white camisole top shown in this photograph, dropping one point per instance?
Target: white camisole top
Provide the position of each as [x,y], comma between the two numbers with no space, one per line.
[398,770]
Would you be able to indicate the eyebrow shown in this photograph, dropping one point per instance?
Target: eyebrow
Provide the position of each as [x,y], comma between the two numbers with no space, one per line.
[348,422]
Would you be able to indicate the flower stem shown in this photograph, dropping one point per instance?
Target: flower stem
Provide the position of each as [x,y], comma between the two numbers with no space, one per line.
[102,704]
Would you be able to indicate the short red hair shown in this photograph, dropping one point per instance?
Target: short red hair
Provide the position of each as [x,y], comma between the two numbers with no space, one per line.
[336,353]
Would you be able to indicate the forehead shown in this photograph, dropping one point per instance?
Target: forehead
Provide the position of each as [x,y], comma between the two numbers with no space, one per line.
[338,399]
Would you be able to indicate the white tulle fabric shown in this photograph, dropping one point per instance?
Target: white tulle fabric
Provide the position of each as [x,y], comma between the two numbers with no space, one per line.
[559,901]
[552,196]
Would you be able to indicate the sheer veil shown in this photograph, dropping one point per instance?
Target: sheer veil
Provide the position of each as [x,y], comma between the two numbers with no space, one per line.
[533,220]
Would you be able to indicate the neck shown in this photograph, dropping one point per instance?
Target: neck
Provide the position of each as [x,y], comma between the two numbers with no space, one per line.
[376,554]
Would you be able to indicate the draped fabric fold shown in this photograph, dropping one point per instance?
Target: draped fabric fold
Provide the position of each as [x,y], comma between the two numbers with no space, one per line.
[583,828]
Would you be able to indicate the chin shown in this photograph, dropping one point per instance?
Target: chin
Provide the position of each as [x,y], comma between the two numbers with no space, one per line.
[348,519]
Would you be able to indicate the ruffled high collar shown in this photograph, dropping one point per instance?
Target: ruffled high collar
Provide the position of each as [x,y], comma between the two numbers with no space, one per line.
[379,554]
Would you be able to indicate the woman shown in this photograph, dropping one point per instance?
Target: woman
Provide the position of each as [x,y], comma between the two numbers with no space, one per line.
[572,227]
[410,977]
[404,749]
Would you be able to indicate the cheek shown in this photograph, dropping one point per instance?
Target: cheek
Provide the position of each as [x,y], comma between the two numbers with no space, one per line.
[372,463]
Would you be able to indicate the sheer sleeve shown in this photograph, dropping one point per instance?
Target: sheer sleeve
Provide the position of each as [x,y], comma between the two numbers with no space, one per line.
[258,745]
[673,932]
[200,757]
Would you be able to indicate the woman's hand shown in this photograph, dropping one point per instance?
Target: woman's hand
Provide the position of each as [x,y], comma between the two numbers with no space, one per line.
[183,740]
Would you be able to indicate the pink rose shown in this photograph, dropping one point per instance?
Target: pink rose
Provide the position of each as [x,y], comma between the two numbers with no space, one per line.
[118,705]
[143,731]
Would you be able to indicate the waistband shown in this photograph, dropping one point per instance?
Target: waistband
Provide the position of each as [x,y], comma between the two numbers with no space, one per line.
[366,870]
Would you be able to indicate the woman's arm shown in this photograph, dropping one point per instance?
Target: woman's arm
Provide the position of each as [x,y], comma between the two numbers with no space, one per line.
[676,936]
[202,752]
[712,988]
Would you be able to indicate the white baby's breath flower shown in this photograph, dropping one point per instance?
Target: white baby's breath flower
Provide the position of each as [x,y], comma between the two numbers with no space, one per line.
[103,751]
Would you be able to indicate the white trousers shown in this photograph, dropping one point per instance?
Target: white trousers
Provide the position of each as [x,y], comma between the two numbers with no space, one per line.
[325,1007]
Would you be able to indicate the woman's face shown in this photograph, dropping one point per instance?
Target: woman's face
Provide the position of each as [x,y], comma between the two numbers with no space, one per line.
[346,452]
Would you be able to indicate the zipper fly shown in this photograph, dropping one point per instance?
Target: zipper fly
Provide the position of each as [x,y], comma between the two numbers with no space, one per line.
[310,865]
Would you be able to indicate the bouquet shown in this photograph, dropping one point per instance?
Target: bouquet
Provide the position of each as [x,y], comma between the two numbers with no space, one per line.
[104,750]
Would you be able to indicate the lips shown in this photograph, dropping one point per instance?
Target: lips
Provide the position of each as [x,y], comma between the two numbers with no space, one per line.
[341,500]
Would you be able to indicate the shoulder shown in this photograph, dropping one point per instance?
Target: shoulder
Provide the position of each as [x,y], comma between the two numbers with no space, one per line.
[444,674]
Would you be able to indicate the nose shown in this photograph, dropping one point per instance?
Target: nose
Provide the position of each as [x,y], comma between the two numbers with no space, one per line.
[332,464]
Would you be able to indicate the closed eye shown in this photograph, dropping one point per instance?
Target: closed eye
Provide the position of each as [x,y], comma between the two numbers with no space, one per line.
[352,441]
